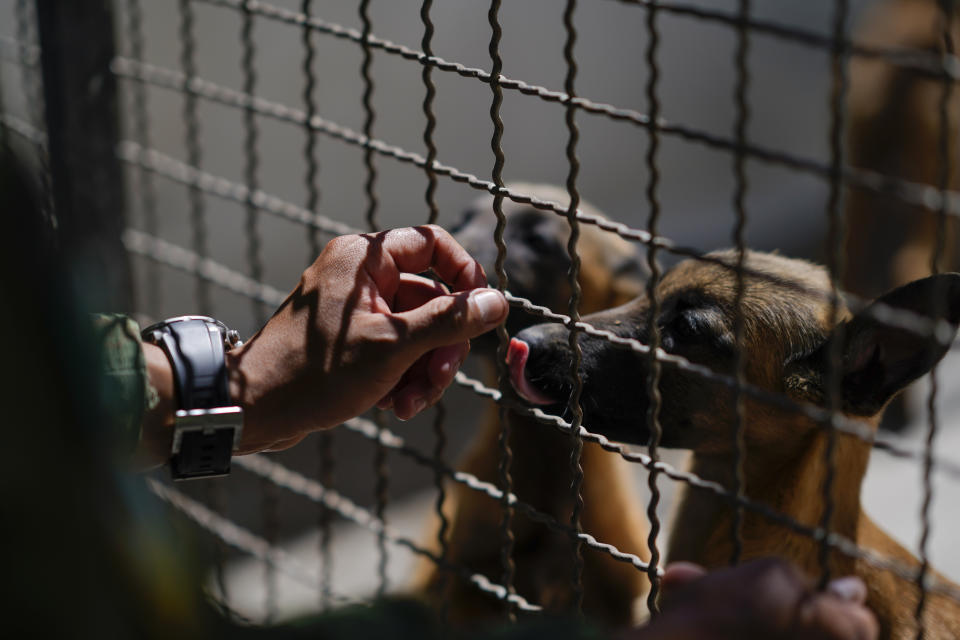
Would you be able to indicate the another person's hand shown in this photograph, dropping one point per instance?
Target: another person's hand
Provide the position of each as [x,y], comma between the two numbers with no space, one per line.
[362,329]
[768,599]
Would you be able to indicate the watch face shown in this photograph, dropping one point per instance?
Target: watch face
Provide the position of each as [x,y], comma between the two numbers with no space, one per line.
[164,323]
[153,333]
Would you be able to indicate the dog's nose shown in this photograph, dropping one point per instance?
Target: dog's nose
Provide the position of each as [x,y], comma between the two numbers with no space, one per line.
[540,360]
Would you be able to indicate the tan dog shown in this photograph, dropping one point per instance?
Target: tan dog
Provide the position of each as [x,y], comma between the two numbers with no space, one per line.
[537,266]
[894,128]
[785,350]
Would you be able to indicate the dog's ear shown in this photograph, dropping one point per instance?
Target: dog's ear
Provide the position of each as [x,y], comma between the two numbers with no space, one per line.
[881,358]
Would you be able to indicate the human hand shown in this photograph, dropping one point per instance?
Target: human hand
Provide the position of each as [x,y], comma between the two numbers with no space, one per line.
[362,329]
[767,598]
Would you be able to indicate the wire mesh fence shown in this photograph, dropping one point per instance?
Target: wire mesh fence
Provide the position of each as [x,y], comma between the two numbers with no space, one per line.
[225,221]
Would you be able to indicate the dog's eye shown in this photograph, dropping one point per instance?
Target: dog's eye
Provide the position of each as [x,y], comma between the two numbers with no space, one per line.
[683,329]
[534,240]
[542,244]
[687,326]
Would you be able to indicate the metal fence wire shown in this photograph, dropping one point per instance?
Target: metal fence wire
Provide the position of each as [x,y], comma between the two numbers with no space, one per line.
[151,80]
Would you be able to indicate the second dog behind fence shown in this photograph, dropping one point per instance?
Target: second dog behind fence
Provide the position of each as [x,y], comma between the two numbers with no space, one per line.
[896,128]
[537,264]
[786,349]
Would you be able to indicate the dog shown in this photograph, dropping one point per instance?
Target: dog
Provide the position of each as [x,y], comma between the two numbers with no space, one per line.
[785,349]
[537,260]
[537,264]
[894,128]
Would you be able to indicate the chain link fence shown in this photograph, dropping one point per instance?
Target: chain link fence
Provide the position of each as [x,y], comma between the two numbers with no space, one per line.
[210,229]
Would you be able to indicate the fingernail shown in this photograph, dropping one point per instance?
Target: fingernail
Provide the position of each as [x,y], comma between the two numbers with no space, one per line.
[451,366]
[489,303]
[849,588]
[448,366]
[419,405]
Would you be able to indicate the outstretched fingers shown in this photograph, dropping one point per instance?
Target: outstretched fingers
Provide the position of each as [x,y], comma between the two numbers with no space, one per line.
[420,249]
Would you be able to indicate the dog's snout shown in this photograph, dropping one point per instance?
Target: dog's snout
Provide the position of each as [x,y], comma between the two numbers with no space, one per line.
[538,359]
[543,336]
[612,378]
[547,344]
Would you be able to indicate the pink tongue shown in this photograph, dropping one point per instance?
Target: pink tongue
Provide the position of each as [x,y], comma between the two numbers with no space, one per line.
[517,355]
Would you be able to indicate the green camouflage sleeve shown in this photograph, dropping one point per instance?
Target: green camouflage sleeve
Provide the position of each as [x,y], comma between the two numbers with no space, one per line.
[125,387]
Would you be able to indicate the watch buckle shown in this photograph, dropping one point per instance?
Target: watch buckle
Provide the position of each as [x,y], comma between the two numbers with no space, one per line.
[204,441]
[207,421]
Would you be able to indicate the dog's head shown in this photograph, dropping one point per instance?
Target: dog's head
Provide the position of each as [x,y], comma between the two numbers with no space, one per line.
[537,261]
[786,337]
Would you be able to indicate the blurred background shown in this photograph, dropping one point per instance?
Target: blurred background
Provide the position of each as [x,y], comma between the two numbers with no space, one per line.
[789,94]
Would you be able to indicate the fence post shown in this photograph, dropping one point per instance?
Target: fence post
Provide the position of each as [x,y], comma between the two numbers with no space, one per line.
[77,47]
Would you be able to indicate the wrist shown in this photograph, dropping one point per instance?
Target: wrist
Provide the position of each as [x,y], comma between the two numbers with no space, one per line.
[156,433]
[270,378]
[244,388]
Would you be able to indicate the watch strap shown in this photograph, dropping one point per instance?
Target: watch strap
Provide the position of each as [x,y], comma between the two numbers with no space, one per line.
[196,348]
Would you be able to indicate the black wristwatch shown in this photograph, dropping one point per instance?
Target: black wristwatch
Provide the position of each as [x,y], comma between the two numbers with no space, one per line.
[207,424]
